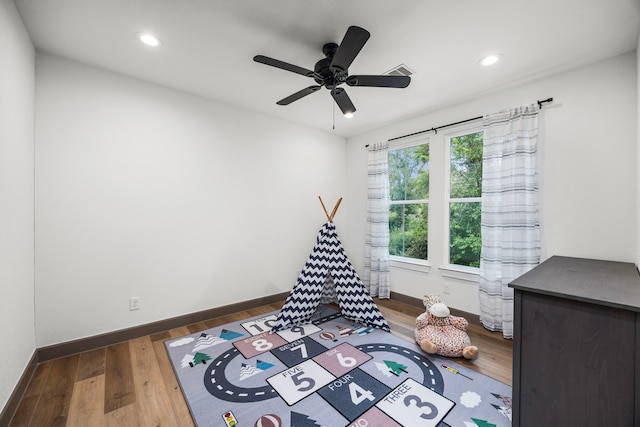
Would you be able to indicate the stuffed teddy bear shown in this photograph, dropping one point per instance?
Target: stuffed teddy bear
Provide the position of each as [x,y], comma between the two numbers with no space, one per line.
[438,332]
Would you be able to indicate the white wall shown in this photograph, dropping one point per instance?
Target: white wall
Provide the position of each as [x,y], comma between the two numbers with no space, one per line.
[16,199]
[146,191]
[587,169]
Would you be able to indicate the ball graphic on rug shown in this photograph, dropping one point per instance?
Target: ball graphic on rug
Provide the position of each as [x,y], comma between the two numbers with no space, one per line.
[328,336]
[269,420]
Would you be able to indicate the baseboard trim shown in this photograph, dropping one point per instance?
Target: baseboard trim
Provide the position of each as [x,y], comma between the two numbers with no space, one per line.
[14,400]
[97,341]
[473,319]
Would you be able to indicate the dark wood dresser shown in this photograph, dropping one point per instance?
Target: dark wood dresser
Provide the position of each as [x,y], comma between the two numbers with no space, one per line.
[576,358]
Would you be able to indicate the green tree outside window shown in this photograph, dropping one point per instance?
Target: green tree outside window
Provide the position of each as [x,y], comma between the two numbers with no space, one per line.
[464,207]
[409,210]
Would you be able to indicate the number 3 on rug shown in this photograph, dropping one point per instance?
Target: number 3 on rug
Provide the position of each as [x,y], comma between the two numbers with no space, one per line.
[411,403]
[412,399]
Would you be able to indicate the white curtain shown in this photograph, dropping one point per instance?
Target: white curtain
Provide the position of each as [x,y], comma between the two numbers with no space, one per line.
[376,261]
[510,219]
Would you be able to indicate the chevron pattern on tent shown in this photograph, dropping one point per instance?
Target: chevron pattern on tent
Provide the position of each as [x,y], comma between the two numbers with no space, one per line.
[328,262]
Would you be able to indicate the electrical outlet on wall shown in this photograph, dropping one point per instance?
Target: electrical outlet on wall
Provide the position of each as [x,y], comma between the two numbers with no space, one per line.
[134,303]
[446,288]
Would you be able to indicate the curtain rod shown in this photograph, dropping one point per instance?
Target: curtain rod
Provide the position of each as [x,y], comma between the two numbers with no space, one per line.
[435,129]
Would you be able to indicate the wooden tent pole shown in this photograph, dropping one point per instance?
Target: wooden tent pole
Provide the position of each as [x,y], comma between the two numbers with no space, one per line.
[325,209]
[335,209]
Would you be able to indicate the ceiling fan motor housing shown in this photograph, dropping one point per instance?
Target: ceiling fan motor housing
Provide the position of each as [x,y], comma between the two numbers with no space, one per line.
[324,74]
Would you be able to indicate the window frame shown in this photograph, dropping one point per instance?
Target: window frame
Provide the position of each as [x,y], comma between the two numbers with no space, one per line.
[416,264]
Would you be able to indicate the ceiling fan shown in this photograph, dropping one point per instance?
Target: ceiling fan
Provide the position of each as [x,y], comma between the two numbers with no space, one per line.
[333,71]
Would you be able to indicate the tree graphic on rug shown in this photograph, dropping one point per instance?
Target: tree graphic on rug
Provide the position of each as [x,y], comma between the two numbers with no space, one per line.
[395,367]
[192,360]
[479,423]
[390,367]
[301,420]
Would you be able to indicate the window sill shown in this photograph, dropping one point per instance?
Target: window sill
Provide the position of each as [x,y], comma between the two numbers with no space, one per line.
[468,274]
[421,266]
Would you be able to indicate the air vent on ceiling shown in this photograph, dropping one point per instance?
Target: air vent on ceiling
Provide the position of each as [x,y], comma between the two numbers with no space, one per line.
[400,70]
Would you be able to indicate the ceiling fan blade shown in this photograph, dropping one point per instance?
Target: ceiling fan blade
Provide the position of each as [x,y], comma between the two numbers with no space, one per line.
[283,65]
[343,100]
[301,93]
[352,43]
[379,81]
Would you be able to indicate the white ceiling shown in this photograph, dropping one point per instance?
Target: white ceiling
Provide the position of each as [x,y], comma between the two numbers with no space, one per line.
[209,45]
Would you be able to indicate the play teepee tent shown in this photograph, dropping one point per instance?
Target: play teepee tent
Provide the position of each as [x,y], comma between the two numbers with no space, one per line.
[329,276]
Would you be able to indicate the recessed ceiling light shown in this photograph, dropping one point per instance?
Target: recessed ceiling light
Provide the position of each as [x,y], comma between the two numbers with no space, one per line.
[149,39]
[490,59]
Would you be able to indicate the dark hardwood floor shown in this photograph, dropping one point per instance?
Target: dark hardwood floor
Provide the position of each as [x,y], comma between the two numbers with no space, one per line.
[496,353]
[132,383]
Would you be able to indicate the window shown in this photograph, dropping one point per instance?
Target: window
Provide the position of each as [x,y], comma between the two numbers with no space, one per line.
[409,205]
[465,191]
[441,175]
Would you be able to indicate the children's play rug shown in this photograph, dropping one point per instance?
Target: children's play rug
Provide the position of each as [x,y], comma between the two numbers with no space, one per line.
[329,373]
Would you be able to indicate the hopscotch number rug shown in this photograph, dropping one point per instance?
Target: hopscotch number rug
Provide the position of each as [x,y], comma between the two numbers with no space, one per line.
[329,373]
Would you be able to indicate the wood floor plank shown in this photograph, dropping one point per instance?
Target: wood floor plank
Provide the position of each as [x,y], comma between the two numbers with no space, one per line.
[91,364]
[32,394]
[496,354]
[53,406]
[154,403]
[212,323]
[178,403]
[119,389]
[160,336]
[87,403]
[123,417]
[257,311]
[197,327]
[179,332]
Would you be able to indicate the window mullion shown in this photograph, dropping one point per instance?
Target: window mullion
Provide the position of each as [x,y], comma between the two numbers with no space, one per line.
[466,200]
[409,202]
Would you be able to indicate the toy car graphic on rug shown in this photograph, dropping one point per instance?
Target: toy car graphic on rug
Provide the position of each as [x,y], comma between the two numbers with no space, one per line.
[328,373]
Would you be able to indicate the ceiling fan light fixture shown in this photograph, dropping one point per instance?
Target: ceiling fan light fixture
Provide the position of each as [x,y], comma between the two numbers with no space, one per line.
[149,39]
[490,59]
